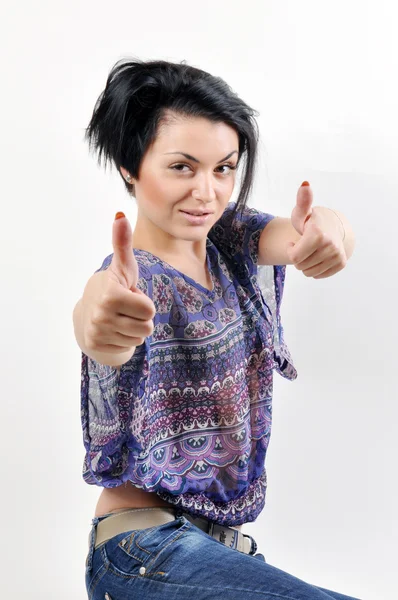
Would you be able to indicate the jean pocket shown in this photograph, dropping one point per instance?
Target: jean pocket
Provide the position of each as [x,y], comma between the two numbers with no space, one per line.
[135,553]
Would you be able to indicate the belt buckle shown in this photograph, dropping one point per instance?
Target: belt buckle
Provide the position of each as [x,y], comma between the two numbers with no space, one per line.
[224,534]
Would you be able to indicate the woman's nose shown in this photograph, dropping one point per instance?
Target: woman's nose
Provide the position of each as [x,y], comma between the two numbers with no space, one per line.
[204,190]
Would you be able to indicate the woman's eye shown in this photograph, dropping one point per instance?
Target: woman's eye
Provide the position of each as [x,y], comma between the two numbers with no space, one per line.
[176,167]
[230,168]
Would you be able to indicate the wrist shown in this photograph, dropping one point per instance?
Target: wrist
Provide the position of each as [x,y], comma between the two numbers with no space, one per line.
[331,220]
[341,223]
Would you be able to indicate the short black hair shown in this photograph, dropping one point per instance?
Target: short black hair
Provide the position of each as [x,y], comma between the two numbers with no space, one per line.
[135,102]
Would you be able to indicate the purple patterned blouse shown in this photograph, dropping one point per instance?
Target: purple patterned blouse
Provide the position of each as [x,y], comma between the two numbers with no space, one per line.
[189,415]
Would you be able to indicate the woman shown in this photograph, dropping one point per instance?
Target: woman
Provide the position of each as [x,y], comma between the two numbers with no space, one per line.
[180,340]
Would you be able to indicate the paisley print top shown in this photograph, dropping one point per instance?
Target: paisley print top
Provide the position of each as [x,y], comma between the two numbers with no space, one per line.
[189,415]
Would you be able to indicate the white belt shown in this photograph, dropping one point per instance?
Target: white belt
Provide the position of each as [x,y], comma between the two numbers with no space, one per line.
[142,518]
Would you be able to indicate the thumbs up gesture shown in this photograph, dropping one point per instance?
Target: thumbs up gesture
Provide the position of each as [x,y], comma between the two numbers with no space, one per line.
[117,316]
[320,252]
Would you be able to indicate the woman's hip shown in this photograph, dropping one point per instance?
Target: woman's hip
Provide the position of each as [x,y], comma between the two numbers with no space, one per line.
[177,560]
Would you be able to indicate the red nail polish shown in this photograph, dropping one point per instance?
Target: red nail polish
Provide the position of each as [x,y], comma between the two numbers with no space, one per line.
[304,183]
[119,215]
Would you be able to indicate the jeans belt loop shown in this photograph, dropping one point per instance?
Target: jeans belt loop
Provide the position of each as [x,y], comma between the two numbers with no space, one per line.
[253,549]
[91,544]
[211,528]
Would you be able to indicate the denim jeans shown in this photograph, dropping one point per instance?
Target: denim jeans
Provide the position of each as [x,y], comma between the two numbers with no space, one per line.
[179,561]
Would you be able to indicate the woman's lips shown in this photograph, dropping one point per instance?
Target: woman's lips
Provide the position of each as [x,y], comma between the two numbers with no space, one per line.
[196,219]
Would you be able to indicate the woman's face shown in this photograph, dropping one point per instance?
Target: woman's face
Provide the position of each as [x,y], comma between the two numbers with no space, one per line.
[170,182]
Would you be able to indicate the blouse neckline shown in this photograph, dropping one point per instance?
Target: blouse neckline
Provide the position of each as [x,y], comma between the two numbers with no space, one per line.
[188,279]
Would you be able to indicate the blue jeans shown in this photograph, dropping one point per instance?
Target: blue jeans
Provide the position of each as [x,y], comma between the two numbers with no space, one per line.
[179,561]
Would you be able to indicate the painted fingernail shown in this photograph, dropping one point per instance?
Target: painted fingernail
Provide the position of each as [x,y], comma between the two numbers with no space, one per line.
[119,215]
[305,183]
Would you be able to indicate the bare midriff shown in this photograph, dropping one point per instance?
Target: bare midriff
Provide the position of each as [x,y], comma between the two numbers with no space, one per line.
[129,496]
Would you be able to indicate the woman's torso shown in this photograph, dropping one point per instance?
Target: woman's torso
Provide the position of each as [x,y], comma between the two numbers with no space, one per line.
[129,496]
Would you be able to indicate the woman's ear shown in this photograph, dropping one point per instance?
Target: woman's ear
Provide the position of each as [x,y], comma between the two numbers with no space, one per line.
[126,175]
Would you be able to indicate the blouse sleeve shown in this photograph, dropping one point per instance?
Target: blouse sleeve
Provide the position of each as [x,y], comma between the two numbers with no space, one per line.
[238,238]
[271,280]
[112,434]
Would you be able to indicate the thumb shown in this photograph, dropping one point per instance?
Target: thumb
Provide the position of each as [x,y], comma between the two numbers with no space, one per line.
[124,264]
[303,209]
[304,199]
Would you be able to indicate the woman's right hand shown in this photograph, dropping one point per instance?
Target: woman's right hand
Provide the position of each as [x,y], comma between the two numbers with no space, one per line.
[117,316]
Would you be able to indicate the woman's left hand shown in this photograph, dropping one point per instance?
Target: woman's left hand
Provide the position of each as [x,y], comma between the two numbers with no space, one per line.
[320,251]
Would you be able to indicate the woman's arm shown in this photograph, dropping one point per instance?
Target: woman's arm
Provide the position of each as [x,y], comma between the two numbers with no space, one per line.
[280,231]
[316,240]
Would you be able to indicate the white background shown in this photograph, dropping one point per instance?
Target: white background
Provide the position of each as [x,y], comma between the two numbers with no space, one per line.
[323,76]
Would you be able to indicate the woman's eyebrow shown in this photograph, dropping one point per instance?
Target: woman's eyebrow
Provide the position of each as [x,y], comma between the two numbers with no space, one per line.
[189,157]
